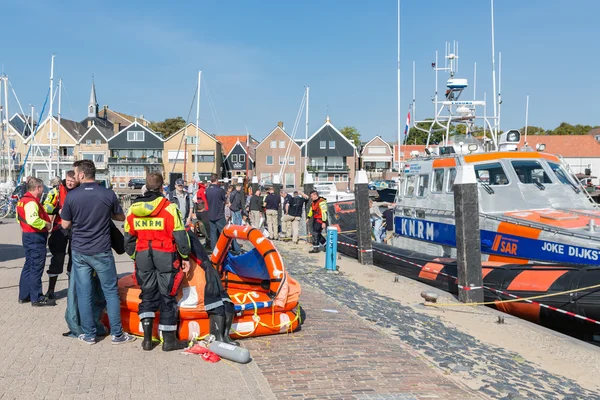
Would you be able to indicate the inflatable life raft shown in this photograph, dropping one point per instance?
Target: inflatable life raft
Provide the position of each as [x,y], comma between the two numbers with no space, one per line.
[265,297]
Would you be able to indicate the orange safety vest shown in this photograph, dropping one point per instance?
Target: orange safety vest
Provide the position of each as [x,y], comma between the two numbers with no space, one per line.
[154,230]
[316,210]
[28,197]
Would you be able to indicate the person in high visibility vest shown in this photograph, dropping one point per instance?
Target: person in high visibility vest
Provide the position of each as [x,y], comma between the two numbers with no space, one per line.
[35,224]
[156,239]
[59,237]
[318,213]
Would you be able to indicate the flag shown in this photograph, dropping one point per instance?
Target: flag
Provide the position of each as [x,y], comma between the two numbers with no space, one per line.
[407,126]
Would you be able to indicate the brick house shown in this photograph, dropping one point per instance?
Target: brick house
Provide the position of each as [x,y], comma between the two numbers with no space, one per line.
[271,159]
[376,157]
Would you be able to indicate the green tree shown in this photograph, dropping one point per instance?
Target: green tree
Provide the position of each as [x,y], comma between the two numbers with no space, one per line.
[417,136]
[168,126]
[567,129]
[534,130]
[352,134]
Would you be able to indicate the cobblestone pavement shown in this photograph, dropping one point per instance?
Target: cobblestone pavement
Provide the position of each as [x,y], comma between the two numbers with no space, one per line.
[38,363]
[502,374]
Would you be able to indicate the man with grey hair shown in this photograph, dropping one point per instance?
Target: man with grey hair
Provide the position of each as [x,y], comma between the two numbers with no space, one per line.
[35,224]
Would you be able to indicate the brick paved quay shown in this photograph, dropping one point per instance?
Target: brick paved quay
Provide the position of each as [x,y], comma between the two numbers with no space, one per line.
[373,347]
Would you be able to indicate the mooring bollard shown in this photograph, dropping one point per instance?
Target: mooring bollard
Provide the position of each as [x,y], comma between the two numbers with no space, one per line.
[363,218]
[308,187]
[331,250]
[468,240]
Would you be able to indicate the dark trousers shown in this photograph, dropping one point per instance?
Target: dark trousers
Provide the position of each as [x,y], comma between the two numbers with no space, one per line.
[159,276]
[317,236]
[57,244]
[203,217]
[216,227]
[30,283]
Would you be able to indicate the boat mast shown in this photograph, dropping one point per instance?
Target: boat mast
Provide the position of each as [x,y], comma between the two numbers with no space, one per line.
[499,90]
[526,118]
[475,81]
[197,125]
[6,131]
[306,135]
[58,130]
[494,134]
[50,112]
[399,152]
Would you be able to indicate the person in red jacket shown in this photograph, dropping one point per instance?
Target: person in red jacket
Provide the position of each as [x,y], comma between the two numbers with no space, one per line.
[35,224]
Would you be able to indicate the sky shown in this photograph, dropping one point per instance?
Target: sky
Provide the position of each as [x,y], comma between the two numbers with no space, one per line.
[257,57]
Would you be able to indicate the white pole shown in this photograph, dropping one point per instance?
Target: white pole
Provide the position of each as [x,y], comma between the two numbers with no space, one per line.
[58,130]
[494,72]
[32,139]
[7,135]
[475,82]
[197,124]
[499,89]
[306,135]
[526,118]
[50,111]
[399,122]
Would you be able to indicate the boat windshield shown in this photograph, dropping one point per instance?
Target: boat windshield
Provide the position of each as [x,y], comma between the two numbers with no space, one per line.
[492,174]
[530,172]
[561,174]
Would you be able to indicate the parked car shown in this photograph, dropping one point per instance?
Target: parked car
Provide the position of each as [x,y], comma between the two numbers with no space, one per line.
[136,183]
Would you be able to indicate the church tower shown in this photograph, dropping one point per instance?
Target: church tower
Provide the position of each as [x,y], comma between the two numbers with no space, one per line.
[93,106]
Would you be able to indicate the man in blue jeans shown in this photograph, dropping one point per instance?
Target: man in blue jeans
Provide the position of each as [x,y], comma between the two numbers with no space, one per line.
[88,210]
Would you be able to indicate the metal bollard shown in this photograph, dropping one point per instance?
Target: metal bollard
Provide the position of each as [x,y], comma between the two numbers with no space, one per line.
[331,249]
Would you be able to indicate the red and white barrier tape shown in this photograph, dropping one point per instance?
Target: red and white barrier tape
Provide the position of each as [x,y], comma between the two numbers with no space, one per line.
[514,296]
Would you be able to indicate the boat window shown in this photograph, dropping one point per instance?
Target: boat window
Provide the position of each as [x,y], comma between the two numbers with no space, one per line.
[438,180]
[451,178]
[492,174]
[561,174]
[530,171]
[423,185]
[409,191]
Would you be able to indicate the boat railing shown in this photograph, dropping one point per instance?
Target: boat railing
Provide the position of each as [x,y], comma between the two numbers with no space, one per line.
[579,185]
[420,212]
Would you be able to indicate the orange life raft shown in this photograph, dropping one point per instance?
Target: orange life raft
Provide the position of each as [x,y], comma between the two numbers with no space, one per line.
[265,303]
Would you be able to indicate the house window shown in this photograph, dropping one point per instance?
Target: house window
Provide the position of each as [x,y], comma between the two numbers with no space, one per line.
[234,158]
[323,145]
[281,160]
[174,155]
[98,142]
[345,178]
[191,139]
[97,158]
[136,171]
[377,150]
[118,171]
[265,177]
[322,178]
[88,142]
[51,135]
[282,144]
[336,178]
[273,144]
[269,160]
[332,144]
[242,158]
[135,136]
[290,180]
[292,160]
[204,156]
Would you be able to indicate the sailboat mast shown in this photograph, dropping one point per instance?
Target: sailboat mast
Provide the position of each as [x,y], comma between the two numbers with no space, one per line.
[526,118]
[494,134]
[306,134]
[58,129]
[50,113]
[197,124]
[6,134]
[398,128]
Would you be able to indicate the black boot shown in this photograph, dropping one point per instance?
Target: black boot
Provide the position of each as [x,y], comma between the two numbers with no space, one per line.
[226,331]
[171,343]
[147,324]
[217,326]
[51,285]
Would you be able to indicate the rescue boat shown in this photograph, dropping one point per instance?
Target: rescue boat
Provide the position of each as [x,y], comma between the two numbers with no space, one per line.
[265,297]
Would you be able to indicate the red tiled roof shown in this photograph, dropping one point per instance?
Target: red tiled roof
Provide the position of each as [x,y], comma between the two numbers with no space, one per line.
[565,145]
[406,149]
[227,142]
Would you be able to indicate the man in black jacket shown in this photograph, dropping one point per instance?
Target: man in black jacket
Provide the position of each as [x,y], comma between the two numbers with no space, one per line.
[235,205]
[293,214]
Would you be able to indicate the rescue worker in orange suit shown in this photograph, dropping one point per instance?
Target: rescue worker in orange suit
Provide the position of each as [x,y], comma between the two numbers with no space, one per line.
[158,242]
[35,224]
[318,212]
[59,237]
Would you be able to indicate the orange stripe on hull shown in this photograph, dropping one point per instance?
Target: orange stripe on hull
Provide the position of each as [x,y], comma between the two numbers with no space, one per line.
[444,162]
[428,273]
[508,154]
[535,281]
[530,312]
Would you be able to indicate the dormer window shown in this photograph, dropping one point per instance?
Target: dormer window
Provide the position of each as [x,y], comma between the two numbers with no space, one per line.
[135,136]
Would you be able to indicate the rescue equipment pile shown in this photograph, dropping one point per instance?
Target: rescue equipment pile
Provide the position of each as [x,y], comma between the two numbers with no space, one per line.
[265,297]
